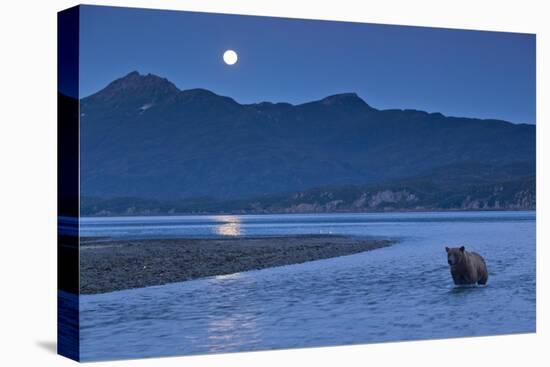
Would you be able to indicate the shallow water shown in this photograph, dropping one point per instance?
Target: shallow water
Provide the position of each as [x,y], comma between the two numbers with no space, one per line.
[402,292]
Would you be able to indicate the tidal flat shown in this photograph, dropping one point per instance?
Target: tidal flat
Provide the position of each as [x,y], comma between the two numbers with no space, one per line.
[112,265]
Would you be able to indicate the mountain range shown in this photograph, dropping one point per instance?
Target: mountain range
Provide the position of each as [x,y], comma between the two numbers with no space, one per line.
[148,147]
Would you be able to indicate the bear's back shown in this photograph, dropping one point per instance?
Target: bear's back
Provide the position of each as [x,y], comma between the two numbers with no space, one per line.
[478,262]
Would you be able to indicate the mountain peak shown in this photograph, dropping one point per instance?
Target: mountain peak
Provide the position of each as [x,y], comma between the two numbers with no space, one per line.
[135,80]
[344,99]
[137,84]
[132,74]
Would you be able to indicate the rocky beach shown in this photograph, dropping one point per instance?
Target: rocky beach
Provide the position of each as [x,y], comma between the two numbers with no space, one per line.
[111,265]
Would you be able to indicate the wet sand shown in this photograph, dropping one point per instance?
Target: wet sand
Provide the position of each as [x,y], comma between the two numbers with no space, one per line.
[107,266]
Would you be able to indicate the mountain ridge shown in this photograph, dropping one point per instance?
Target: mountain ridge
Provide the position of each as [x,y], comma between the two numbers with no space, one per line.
[141,136]
[136,76]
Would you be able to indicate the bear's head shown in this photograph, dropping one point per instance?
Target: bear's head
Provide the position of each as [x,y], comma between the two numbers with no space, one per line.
[454,255]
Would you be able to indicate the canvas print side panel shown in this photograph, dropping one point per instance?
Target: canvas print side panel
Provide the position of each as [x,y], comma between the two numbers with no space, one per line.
[68,184]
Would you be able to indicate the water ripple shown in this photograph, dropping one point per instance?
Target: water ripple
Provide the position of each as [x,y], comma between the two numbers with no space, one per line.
[401,292]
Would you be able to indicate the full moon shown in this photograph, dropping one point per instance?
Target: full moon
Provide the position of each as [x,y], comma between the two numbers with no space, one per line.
[230,57]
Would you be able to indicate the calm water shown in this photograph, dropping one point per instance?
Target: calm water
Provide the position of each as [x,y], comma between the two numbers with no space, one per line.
[402,292]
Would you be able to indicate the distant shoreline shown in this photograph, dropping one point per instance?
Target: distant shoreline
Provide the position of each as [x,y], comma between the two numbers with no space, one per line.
[404,211]
[111,265]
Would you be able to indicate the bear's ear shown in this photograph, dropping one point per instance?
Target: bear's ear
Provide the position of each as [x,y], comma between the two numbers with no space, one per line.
[462,248]
[446,249]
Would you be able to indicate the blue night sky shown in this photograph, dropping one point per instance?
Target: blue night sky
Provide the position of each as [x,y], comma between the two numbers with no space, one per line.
[455,72]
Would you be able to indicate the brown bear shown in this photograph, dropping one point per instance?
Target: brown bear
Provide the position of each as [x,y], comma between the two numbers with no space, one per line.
[466,267]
